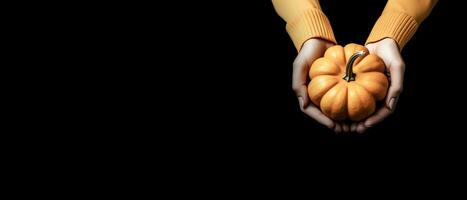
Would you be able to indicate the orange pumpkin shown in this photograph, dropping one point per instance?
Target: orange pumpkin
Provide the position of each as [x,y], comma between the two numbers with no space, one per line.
[347,82]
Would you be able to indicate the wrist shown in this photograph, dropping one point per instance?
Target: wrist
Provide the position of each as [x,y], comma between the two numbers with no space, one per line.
[396,25]
[317,43]
[383,42]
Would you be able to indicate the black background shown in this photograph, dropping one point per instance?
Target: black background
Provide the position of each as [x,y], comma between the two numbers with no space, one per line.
[208,93]
[221,92]
[233,65]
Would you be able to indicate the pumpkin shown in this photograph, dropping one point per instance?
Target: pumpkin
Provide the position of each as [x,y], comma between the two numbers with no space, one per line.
[347,81]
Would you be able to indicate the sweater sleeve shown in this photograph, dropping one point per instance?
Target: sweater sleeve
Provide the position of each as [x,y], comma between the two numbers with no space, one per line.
[400,20]
[305,20]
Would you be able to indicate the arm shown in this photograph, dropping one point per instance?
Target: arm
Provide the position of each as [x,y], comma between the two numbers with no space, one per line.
[395,27]
[305,20]
[400,20]
[311,34]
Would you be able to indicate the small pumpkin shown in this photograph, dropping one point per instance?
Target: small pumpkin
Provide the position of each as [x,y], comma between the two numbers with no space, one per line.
[347,82]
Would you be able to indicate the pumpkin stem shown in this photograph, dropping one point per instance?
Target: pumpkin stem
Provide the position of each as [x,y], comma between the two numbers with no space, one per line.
[349,75]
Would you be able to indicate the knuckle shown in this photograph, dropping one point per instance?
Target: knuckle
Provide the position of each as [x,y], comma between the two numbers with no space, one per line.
[296,63]
[297,88]
[303,110]
[398,90]
[399,64]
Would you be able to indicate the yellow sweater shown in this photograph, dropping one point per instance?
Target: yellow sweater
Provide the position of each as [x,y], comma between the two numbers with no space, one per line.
[399,20]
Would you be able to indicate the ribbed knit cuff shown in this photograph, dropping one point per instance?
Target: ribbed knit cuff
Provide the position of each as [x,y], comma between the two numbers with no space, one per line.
[311,24]
[398,26]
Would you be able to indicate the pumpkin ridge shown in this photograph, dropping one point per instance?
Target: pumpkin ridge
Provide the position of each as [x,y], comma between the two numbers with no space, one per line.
[345,110]
[334,102]
[337,61]
[358,98]
[326,90]
[361,101]
[350,91]
[373,82]
[366,90]
[346,107]
[373,67]
[369,94]
[321,66]
[347,115]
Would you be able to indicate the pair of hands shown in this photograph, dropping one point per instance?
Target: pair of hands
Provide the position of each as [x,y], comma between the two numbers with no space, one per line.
[313,49]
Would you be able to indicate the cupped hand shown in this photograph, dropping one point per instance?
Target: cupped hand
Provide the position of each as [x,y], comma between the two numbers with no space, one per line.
[311,50]
[388,51]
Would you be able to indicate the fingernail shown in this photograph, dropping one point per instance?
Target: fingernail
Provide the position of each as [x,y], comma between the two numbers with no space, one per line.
[391,103]
[300,101]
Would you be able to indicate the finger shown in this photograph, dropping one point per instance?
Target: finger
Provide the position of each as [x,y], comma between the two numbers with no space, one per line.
[396,69]
[361,128]
[345,127]
[299,77]
[301,66]
[316,114]
[376,118]
[300,72]
[395,89]
[338,128]
[353,127]
[302,94]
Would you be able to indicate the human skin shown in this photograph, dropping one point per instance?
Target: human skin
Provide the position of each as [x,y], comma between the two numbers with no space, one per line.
[314,48]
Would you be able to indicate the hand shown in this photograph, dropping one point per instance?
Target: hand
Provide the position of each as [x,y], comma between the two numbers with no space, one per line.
[311,50]
[388,51]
